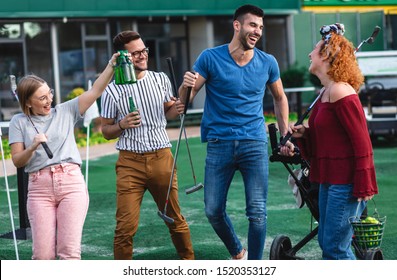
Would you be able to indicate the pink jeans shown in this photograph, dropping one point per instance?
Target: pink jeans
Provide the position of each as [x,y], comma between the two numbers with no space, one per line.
[57,206]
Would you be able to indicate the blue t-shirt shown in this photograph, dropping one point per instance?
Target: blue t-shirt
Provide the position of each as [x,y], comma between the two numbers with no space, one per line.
[233,108]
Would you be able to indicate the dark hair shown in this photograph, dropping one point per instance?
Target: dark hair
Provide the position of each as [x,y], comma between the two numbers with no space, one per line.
[123,38]
[247,9]
[27,86]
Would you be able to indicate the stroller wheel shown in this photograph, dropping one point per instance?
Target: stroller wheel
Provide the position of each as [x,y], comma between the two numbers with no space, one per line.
[374,255]
[280,247]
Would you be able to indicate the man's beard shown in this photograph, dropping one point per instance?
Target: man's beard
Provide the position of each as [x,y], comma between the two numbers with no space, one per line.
[244,43]
[137,68]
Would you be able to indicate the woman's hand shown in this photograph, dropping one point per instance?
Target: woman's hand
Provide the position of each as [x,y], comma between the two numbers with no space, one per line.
[113,59]
[365,198]
[38,139]
[297,130]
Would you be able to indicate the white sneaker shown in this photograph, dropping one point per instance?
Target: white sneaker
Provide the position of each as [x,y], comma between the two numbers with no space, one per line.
[243,258]
[295,190]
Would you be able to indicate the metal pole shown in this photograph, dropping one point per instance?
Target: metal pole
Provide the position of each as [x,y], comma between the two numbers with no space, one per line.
[55,60]
[9,199]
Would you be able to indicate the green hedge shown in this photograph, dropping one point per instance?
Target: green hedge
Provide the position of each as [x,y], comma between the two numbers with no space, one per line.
[81,140]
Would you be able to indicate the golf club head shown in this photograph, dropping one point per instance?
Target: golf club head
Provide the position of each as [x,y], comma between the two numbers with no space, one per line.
[13,83]
[165,217]
[194,188]
[374,34]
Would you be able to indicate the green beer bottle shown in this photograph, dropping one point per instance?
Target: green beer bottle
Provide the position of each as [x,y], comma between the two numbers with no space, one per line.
[132,105]
[124,72]
[117,76]
[132,71]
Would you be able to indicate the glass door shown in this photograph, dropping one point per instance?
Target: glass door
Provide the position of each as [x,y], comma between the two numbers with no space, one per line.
[10,64]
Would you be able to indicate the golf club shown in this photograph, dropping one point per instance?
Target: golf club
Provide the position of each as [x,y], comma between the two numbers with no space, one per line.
[163,214]
[196,186]
[44,144]
[13,89]
[369,40]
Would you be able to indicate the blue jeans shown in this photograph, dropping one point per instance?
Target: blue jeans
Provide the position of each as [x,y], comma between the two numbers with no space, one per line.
[336,206]
[251,159]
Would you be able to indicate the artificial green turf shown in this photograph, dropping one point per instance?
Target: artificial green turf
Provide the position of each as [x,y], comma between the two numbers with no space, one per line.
[152,240]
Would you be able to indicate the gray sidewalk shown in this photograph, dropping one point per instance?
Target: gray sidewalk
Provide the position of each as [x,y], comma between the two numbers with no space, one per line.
[105,149]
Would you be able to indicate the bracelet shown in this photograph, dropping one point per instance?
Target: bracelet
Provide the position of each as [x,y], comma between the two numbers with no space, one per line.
[120,126]
[112,64]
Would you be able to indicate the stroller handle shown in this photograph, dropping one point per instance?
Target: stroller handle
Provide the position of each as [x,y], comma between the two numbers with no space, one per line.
[295,159]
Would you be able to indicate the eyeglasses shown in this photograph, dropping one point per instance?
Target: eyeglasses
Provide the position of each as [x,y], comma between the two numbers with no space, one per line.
[137,54]
[46,98]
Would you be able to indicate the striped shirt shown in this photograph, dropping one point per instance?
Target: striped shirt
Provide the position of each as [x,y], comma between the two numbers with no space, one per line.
[149,95]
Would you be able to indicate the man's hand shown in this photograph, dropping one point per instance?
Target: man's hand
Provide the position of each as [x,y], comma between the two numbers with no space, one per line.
[131,120]
[189,79]
[288,149]
[179,106]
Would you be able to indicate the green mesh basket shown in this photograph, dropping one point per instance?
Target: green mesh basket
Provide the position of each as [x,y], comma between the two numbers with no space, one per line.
[368,233]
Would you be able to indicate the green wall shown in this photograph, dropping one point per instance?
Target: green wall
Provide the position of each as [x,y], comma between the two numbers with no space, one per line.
[315,3]
[359,26]
[109,8]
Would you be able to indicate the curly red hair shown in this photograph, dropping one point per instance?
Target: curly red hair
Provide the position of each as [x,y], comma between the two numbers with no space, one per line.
[340,54]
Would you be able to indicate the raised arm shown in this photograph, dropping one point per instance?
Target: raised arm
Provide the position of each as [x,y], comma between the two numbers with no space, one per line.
[89,97]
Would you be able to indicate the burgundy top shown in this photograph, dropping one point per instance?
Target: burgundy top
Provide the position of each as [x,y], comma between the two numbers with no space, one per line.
[338,146]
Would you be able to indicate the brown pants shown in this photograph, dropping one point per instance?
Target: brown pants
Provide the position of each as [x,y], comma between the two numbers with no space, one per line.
[137,173]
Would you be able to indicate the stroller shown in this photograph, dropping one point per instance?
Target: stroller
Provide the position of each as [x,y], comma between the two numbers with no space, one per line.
[281,247]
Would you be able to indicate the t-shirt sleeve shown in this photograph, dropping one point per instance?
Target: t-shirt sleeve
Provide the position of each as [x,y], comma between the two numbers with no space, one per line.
[274,70]
[15,134]
[201,64]
[168,90]
[108,105]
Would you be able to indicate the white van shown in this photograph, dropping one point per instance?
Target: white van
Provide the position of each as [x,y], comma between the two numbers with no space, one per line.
[379,94]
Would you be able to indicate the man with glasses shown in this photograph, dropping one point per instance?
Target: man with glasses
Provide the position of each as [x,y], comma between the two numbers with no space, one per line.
[137,54]
[145,159]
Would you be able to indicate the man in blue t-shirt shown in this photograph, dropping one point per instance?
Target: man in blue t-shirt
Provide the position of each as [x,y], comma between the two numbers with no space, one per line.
[236,76]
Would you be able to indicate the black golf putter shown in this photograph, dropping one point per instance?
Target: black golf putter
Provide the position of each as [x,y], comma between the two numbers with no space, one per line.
[196,186]
[369,40]
[163,214]
[13,89]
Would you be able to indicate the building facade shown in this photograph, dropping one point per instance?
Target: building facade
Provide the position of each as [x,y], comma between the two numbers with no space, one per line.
[67,42]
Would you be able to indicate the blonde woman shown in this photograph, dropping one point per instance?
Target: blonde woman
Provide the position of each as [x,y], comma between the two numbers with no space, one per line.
[57,194]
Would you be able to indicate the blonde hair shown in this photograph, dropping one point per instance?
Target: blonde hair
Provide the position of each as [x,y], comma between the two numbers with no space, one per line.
[340,54]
